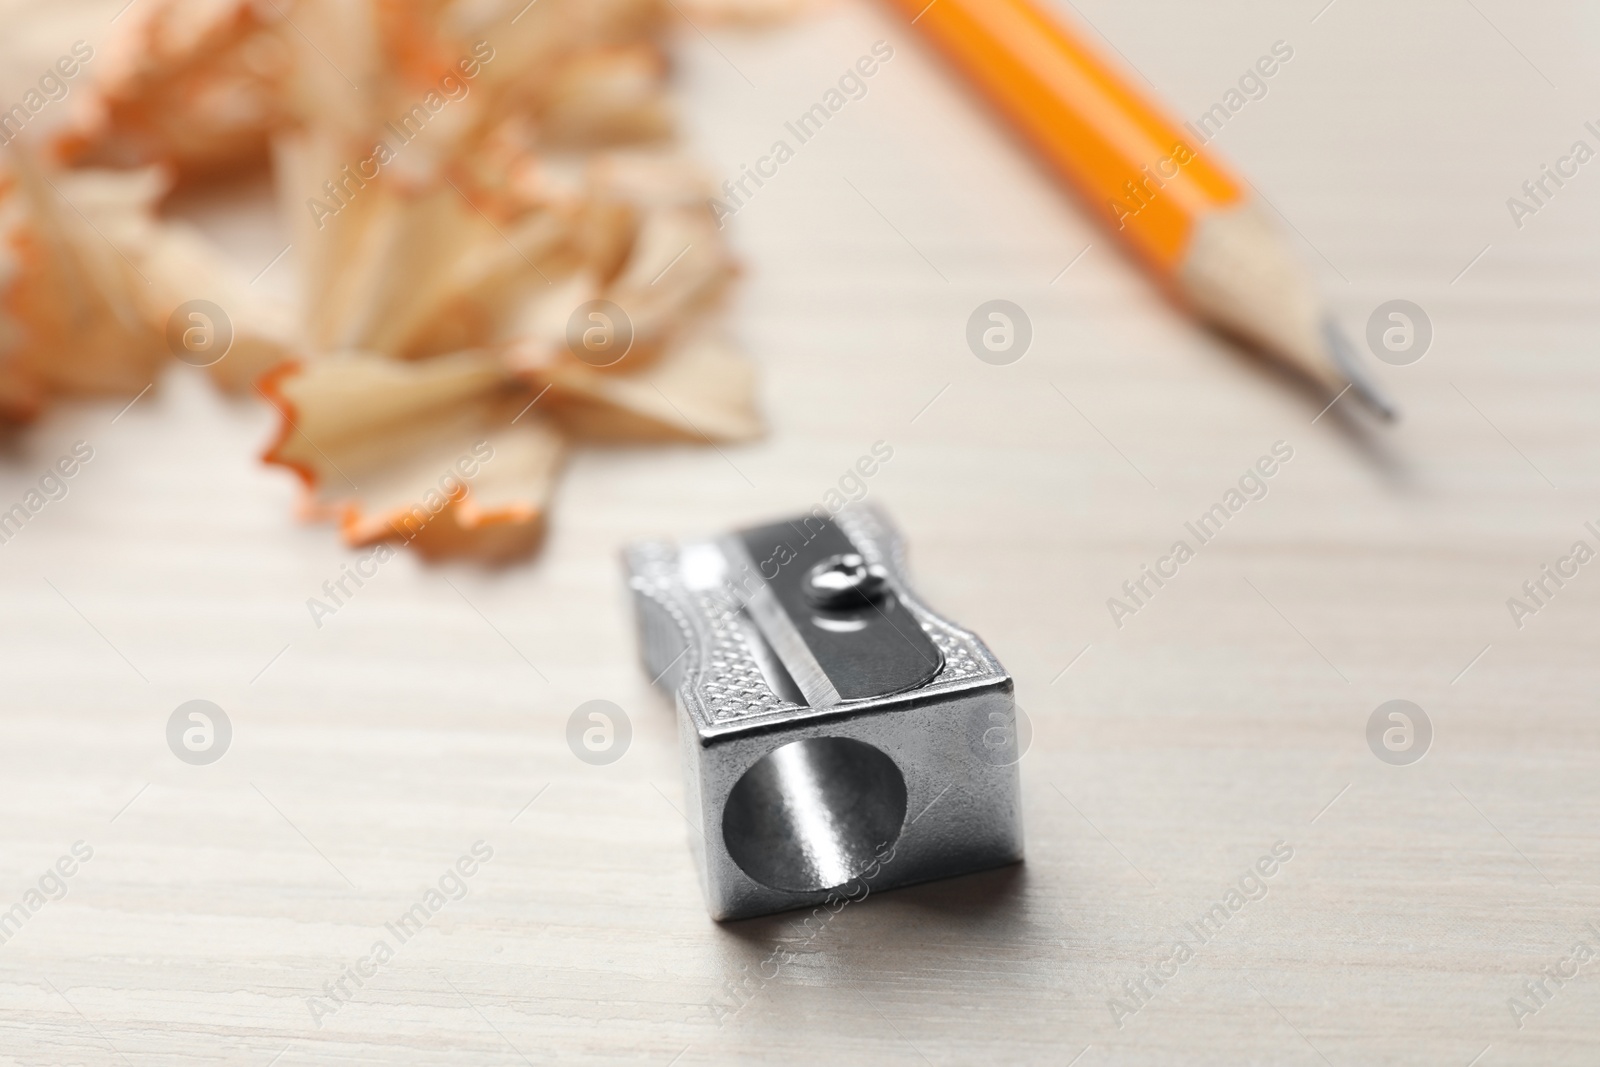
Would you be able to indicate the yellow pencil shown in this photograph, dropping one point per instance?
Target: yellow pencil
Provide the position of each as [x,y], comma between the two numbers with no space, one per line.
[1176,207]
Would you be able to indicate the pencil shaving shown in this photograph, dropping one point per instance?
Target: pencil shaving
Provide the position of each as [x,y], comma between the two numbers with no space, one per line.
[699,390]
[463,179]
[194,85]
[182,265]
[94,279]
[74,300]
[431,453]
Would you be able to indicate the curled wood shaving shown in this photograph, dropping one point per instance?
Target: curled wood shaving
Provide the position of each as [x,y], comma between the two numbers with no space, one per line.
[183,265]
[461,178]
[93,279]
[194,85]
[432,453]
[72,299]
[698,391]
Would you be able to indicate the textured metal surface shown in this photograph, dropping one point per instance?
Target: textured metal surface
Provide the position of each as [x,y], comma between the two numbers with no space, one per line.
[795,800]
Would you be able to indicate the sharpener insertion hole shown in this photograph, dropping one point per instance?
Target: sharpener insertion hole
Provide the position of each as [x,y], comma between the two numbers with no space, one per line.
[811,815]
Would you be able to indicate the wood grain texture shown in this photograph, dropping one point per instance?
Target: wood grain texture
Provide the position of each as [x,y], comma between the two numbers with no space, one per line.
[1227,715]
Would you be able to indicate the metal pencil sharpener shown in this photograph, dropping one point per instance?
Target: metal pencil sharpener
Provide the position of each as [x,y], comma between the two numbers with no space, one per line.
[839,737]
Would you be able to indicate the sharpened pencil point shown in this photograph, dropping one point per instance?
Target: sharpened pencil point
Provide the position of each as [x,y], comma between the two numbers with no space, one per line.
[1344,355]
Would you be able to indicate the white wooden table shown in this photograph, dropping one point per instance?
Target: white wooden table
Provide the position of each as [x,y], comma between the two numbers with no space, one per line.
[1169,755]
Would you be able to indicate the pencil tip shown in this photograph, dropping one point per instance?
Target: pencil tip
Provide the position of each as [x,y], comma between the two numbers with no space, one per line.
[1344,356]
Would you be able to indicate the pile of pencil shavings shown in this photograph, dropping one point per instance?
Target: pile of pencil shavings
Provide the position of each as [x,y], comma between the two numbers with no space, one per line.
[501,254]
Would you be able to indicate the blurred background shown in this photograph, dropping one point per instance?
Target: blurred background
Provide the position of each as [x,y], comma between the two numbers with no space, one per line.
[370,748]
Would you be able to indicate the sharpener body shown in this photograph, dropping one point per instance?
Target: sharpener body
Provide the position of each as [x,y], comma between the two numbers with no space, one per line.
[838,736]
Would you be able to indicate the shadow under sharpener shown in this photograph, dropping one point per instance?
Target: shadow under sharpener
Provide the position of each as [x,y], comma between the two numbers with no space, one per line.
[838,736]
